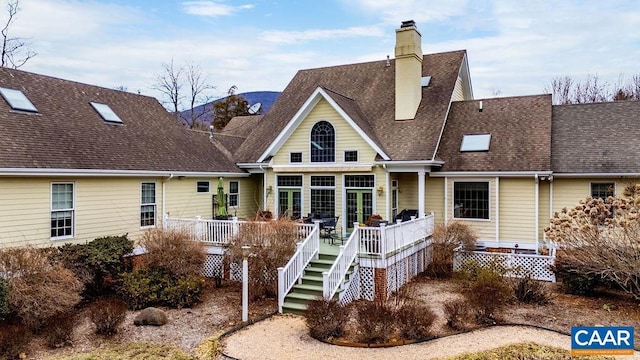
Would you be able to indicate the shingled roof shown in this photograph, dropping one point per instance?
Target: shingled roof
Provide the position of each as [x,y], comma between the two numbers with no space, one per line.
[67,133]
[366,90]
[520,129]
[596,138]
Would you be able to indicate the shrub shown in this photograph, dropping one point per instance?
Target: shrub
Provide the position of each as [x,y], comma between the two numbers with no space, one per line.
[414,320]
[107,314]
[272,244]
[445,239]
[59,329]
[37,289]
[153,286]
[526,289]
[4,299]
[376,321]
[487,293]
[326,319]
[14,339]
[574,280]
[457,314]
[174,252]
[98,263]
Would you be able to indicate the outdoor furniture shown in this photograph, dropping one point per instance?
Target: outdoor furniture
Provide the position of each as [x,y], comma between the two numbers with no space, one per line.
[328,226]
[406,214]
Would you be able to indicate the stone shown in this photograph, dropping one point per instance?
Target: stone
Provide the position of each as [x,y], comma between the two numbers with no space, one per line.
[150,316]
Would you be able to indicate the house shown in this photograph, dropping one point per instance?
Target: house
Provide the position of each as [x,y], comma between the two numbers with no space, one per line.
[78,162]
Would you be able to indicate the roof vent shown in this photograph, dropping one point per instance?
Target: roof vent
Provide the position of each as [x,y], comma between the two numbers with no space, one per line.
[408,23]
[425,80]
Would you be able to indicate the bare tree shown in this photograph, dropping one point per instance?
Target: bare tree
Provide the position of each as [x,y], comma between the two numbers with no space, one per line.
[169,83]
[560,89]
[566,90]
[15,50]
[198,95]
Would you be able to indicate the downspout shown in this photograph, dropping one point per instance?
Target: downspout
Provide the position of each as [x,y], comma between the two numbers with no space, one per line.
[537,211]
[388,190]
[446,200]
[264,187]
[497,209]
[164,211]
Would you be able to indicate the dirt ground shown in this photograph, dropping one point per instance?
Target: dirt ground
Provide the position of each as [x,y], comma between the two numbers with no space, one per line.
[220,310]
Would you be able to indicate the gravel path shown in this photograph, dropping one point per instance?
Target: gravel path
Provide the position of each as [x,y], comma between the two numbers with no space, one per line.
[286,337]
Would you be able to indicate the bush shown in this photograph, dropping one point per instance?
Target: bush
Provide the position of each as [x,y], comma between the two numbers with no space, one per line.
[574,280]
[59,329]
[38,289]
[14,340]
[414,320]
[376,321]
[487,292]
[326,319]
[4,299]
[174,252]
[97,264]
[107,314]
[445,239]
[153,286]
[272,244]
[528,290]
[457,314]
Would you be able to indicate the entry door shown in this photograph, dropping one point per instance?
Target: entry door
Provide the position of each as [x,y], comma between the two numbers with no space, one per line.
[290,203]
[359,206]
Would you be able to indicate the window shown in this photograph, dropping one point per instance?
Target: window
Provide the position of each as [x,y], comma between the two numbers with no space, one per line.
[62,210]
[107,114]
[323,196]
[290,180]
[471,200]
[17,100]
[234,193]
[295,157]
[475,142]
[350,156]
[202,186]
[359,181]
[323,141]
[602,190]
[148,204]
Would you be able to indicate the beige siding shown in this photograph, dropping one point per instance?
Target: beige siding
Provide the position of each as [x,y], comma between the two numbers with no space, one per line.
[407,191]
[346,137]
[183,200]
[543,206]
[568,192]
[102,207]
[485,229]
[434,198]
[458,90]
[517,210]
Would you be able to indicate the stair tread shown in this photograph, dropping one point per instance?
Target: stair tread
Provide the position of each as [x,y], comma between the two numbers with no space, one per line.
[307,287]
[291,305]
[299,296]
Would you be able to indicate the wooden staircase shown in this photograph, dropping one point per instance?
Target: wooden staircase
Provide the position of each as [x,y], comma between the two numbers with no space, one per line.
[310,288]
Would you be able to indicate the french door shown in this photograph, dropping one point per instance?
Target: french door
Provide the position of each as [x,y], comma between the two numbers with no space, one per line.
[359,206]
[290,203]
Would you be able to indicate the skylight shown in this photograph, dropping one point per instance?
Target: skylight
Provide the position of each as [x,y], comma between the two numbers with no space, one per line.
[17,100]
[106,113]
[425,80]
[478,142]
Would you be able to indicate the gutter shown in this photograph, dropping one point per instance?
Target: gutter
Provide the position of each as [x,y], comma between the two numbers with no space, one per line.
[503,174]
[111,173]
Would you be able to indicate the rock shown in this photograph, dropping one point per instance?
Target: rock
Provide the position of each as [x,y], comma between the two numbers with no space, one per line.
[150,316]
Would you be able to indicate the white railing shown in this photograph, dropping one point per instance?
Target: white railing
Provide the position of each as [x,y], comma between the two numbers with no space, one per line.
[380,241]
[539,267]
[292,272]
[333,279]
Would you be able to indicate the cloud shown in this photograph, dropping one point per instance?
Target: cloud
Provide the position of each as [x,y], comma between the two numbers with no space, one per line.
[212,8]
[293,37]
[394,11]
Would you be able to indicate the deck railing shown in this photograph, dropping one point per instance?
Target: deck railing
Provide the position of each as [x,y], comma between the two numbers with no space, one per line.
[333,279]
[385,239]
[292,272]
[538,267]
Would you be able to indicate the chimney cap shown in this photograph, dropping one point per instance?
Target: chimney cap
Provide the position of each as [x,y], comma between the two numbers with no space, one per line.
[408,23]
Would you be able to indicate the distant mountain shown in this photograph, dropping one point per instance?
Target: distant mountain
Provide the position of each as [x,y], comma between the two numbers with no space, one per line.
[265,98]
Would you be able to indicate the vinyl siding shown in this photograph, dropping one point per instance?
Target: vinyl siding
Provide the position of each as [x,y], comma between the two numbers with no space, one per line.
[434,198]
[568,192]
[183,200]
[458,90]
[485,229]
[517,210]
[408,191]
[102,207]
[543,205]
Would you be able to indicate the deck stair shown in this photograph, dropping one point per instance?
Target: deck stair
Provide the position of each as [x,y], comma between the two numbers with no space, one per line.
[310,287]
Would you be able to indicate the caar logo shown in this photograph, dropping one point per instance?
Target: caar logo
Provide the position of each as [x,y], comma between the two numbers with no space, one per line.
[601,340]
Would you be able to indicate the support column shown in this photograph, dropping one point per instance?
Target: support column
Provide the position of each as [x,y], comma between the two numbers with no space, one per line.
[421,193]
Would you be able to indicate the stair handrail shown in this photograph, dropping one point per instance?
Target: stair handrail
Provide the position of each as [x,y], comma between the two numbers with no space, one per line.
[334,277]
[293,270]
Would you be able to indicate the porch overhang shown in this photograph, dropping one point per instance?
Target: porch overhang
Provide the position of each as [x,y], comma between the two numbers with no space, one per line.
[410,166]
[253,168]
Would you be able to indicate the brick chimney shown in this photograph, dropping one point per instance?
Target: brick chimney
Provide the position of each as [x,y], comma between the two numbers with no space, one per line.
[408,53]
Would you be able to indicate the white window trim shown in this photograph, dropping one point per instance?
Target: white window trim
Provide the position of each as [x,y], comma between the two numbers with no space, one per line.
[237,194]
[203,192]
[344,155]
[277,193]
[615,186]
[73,210]
[301,157]
[453,197]
[155,205]
[335,144]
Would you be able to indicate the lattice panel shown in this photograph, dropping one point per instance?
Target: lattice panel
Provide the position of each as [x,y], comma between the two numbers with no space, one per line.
[428,256]
[353,292]
[397,275]
[517,265]
[213,266]
[367,285]
[236,272]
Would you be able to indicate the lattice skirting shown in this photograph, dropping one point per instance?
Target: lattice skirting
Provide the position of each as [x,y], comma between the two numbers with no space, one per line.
[402,271]
[367,284]
[516,265]
[213,266]
[353,291]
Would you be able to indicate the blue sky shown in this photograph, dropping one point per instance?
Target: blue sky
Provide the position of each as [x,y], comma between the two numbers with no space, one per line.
[514,47]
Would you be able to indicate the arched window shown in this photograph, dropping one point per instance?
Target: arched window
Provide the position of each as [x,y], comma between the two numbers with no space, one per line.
[323,142]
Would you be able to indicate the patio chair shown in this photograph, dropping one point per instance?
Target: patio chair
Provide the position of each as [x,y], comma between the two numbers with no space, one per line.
[329,227]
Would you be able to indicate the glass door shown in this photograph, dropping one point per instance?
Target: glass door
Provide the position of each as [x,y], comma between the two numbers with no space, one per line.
[289,203]
[359,206]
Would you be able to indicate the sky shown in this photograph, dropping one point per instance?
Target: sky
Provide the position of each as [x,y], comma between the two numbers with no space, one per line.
[513,47]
